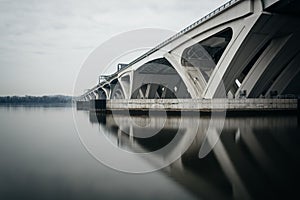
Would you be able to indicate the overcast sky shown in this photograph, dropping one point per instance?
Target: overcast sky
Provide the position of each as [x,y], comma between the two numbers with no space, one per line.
[44,42]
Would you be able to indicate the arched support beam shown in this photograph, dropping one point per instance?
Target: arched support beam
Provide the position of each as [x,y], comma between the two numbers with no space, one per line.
[249,37]
[158,79]
[101,93]
[107,90]
[88,97]
[92,96]
[85,98]
[272,61]
[117,91]
[125,82]
[286,76]
[190,84]
[95,94]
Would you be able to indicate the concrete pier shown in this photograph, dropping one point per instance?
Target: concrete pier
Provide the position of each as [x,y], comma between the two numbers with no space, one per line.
[205,105]
[97,105]
[82,105]
[190,105]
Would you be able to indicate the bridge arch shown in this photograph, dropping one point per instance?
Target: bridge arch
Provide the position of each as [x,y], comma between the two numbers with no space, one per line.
[117,91]
[258,54]
[158,79]
[107,89]
[197,58]
[101,93]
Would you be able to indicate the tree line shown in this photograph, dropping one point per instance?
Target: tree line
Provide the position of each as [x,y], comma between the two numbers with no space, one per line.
[36,99]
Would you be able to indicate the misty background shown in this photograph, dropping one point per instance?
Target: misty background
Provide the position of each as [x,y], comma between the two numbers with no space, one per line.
[44,42]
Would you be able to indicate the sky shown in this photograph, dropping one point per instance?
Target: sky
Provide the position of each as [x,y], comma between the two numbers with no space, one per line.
[43,43]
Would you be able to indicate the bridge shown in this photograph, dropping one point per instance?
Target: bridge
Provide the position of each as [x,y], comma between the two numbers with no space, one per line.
[245,49]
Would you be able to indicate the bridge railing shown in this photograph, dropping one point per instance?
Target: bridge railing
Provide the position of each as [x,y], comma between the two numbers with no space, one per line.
[103,78]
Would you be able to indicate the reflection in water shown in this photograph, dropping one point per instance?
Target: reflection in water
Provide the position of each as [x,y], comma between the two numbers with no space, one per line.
[253,158]
[43,158]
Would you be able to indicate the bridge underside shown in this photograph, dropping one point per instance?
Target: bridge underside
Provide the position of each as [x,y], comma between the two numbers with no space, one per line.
[250,49]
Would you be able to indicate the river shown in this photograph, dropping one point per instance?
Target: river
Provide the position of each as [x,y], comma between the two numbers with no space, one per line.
[56,153]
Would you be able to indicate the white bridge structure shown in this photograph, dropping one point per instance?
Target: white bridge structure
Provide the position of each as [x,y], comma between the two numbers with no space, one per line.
[245,48]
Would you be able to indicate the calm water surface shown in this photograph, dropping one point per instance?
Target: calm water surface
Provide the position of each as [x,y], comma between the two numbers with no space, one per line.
[42,157]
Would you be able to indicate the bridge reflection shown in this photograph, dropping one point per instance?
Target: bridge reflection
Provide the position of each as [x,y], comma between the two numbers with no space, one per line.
[253,157]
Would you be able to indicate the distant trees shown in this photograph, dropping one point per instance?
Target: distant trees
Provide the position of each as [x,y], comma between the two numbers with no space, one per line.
[36,99]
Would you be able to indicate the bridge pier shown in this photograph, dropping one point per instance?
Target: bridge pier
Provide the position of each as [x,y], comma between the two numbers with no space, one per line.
[82,105]
[98,105]
[230,106]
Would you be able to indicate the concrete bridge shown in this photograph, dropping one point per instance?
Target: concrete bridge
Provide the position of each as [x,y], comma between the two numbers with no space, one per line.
[245,48]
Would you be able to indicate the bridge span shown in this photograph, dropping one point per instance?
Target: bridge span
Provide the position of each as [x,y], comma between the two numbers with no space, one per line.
[243,49]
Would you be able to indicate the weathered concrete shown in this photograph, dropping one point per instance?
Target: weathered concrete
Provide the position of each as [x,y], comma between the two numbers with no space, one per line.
[204,105]
[82,105]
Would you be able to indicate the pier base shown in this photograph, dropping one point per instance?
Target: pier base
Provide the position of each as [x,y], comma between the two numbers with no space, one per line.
[82,105]
[98,105]
[246,106]
[204,105]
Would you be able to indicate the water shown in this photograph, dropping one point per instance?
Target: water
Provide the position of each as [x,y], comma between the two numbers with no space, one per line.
[42,157]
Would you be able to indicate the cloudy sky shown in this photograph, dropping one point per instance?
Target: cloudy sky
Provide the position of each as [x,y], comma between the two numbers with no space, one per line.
[44,42]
